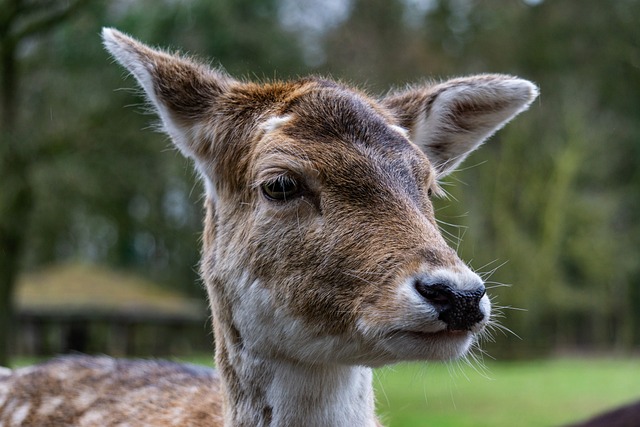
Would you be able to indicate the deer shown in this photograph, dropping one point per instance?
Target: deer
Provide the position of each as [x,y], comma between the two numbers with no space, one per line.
[321,255]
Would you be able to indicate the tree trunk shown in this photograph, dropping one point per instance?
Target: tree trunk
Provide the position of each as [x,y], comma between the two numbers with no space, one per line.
[15,197]
[15,206]
[11,243]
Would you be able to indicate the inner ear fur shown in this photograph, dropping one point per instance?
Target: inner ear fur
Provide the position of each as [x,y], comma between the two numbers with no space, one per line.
[451,119]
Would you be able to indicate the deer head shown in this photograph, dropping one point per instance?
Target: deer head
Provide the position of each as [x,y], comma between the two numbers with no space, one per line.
[320,244]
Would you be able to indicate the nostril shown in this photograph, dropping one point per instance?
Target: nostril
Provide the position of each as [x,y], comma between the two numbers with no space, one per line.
[479,292]
[439,294]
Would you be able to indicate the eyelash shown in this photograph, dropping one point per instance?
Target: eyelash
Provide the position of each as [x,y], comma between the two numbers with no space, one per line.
[281,189]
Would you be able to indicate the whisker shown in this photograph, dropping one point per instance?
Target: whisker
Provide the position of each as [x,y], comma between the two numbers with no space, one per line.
[494,285]
[503,329]
[509,307]
[487,274]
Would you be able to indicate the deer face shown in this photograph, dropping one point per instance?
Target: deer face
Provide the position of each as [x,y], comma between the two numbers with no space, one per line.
[336,239]
[321,244]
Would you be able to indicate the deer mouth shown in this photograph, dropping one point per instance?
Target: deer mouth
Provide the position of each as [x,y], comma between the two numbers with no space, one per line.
[445,344]
[439,335]
[444,332]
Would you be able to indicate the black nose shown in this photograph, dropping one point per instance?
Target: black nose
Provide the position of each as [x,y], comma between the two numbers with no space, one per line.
[458,308]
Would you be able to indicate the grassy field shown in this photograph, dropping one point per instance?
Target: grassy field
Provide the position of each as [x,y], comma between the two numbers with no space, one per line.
[533,393]
[502,394]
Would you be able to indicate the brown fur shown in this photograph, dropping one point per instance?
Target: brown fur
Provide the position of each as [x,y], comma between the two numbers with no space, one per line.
[307,290]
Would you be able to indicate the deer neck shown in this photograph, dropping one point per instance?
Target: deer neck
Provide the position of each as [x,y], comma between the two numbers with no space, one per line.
[261,391]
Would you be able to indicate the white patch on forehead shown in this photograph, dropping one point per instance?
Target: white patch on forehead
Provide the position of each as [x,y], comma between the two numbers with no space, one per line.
[402,131]
[20,414]
[274,123]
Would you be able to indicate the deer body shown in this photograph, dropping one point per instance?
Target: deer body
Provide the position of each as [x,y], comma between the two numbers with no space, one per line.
[321,254]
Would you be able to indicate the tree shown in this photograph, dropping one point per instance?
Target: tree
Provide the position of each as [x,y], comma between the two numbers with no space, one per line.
[19,21]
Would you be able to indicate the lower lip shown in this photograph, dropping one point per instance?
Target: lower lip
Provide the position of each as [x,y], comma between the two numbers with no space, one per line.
[446,334]
[458,332]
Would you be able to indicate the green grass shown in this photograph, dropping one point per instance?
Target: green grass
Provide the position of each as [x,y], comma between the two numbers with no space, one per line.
[533,393]
[528,393]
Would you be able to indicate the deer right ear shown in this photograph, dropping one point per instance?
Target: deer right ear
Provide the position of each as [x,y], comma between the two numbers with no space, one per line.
[183,92]
[451,119]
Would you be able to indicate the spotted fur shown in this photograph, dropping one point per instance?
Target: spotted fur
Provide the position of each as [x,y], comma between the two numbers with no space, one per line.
[101,391]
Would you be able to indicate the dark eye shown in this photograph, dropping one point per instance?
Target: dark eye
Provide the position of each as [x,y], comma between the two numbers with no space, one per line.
[282,188]
[429,192]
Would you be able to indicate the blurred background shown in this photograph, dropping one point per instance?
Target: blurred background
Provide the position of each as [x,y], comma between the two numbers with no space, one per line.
[100,219]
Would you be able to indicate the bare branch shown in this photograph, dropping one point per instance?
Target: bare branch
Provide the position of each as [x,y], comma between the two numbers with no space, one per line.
[46,22]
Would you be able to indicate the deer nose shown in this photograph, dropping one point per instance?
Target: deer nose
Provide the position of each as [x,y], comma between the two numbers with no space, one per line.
[458,308]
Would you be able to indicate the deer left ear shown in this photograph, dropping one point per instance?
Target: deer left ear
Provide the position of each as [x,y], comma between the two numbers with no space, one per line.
[450,120]
[183,92]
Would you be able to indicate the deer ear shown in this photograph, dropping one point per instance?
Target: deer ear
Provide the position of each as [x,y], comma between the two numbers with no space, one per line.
[450,120]
[183,92]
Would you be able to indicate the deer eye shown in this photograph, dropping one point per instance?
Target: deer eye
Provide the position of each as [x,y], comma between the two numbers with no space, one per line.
[282,188]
